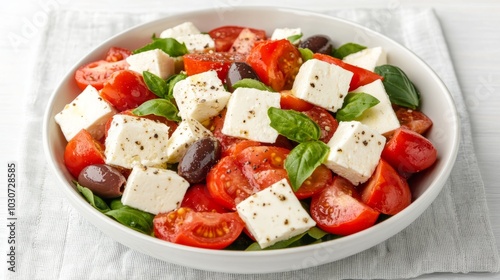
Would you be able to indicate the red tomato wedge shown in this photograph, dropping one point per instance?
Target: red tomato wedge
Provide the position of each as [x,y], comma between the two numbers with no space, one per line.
[245,41]
[196,63]
[409,152]
[288,101]
[198,198]
[327,123]
[116,54]
[360,76]
[126,89]
[413,119]
[81,151]
[97,73]
[319,179]
[276,62]
[199,229]
[225,36]
[386,191]
[338,209]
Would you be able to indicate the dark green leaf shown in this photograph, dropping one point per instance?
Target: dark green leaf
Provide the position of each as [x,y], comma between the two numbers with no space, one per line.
[354,106]
[294,38]
[316,233]
[252,83]
[278,245]
[293,125]
[158,107]
[116,204]
[398,86]
[303,160]
[133,218]
[347,49]
[169,45]
[171,81]
[306,54]
[97,202]
[155,84]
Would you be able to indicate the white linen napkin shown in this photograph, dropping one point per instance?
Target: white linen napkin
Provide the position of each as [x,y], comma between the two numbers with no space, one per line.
[56,242]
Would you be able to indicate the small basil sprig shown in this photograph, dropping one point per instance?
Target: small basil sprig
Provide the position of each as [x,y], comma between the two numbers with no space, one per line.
[158,107]
[294,38]
[398,86]
[171,81]
[347,49]
[306,54]
[97,202]
[155,84]
[169,45]
[252,83]
[354,106]
[294,125]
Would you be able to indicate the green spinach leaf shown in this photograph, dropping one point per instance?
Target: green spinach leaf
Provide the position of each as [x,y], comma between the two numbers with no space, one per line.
[133,218]
[354,106]
[97,202]
[398,86]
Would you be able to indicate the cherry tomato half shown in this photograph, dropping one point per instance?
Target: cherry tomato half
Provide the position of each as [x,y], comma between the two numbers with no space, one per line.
[198,198]
[199,229]
[195,63]
[115,54]
[289,101]
[225,36]
[327,123]
[81,151]
[413,119]
[97,73]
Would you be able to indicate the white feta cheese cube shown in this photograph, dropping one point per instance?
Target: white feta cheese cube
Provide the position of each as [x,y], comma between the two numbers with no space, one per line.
[182,29]
[380,117]
[184,135]
[200,96]
[322,84]
[155,61]
[136,141]
[284,33]
[354,151]
[197,42]
[87,111]
[368,58]
[274,214]
[154,190]
[246,115]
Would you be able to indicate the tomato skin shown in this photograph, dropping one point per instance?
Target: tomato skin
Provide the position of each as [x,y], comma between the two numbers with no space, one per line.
[337,209]
[360,76]
[276,62]
[195,63]
[413,119]
[288,101]
[409,152]
[209,230]
[116,54]
[126,89]
[81,151]
[327,123]
[319,179]
[386,191]
[224,36]
[198,198]
[97,73]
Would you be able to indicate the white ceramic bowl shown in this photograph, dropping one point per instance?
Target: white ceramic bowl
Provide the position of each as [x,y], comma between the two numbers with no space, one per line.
[436,103]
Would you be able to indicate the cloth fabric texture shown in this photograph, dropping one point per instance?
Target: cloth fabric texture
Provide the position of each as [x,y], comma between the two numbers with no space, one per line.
[56,242]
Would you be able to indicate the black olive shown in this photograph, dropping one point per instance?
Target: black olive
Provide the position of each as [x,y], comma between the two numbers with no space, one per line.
[318,44]
[103,180]
[200,157]
[238,71]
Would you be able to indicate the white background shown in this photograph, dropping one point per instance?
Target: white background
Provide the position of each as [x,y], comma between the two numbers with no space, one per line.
[471,29]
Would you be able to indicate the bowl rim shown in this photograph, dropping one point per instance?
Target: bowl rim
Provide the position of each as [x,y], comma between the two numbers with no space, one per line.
[426,197]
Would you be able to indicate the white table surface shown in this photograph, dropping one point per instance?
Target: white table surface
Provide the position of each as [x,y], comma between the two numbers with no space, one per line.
[470,29]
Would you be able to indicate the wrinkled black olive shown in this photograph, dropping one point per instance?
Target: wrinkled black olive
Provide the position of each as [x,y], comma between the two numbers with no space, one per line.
[317,44]
[238,71]
[200,157]
[103,180]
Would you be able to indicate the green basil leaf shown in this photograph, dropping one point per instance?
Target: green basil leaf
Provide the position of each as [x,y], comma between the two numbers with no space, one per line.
[158,107]
[116,204]
[252,83]
[316,233]
[169,45]
[347,49]
[133,218]
[306,54]
[97,202]
[294,125]
[278,245]
[303,160]
[155,84]
[171,81]
[294,38]
[354,106]
[398,86]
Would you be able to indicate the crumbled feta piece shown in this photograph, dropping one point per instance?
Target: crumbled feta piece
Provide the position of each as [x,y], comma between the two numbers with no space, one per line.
[184,135]
[182,29]
[197,42]
[246,115]
[380,117]
[200,96]
[87,111]
[355,151]
[274,214]
[322,84]
[154,190]
[155,61]
[284,33]
[368,58]
[132,141]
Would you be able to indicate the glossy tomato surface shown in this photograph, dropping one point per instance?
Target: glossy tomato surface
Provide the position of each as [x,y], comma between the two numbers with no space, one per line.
[196,63]
[224,36]
[81,151]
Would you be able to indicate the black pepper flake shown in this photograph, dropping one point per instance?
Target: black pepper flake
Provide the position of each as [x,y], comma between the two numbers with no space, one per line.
[365,142]
[339,150]
[312,85]
[286,222]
